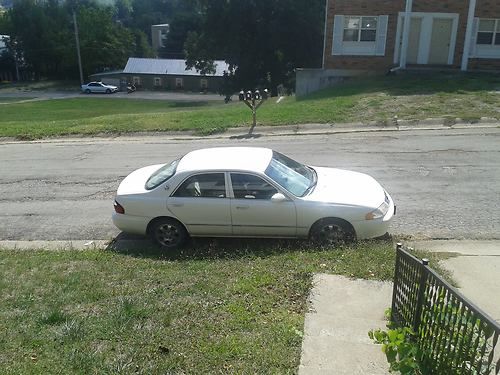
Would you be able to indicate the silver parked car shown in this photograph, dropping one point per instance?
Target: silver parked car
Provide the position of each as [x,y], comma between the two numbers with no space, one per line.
[98,87]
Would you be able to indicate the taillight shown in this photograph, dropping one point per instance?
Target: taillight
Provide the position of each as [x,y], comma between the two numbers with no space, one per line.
[119,208]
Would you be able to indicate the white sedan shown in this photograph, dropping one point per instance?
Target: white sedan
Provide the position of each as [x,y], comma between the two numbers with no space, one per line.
[250,192]
[98,87]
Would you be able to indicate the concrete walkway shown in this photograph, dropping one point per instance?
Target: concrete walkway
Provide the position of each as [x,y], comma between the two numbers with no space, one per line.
[336,329]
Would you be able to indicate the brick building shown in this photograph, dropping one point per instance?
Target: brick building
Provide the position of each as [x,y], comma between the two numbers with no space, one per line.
[371,36]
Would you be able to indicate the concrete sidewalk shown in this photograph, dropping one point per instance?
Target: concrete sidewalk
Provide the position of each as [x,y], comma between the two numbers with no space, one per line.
[475,267]
[336,329]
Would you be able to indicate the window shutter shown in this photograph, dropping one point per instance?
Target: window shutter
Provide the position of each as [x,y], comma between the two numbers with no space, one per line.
[338,35]
[381,35]
[473,37]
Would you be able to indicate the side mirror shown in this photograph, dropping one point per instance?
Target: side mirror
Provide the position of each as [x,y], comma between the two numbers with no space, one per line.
[278,198]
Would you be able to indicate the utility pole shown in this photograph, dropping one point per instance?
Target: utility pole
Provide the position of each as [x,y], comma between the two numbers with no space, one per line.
[78,47]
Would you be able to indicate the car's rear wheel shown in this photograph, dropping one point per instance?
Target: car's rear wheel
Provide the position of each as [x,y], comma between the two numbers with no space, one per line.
[168,233]
[332,232]
[87,91]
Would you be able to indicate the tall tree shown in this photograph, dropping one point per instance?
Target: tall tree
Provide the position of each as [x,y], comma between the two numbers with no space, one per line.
[103,42]
[264,40]
[43,31]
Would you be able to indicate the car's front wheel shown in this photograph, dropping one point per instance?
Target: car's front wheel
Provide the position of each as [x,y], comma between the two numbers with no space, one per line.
[332,232]
[168,233]
[108,91]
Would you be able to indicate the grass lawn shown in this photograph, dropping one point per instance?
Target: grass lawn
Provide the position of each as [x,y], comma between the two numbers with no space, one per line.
[225,307]
[408,96]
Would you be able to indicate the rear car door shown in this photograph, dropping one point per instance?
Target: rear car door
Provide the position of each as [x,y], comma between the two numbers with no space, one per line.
[200,202]
[254,213]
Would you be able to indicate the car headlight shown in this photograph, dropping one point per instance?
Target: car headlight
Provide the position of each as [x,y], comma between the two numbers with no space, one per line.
[380,211]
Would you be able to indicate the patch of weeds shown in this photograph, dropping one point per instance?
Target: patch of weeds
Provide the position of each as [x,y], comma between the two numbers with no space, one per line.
[471,119]
[82,361]
[53,317]
[449,121]
[71,330]
[127,312]
[25,137]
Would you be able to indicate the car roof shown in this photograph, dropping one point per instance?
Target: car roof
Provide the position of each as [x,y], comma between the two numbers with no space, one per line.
[252,159]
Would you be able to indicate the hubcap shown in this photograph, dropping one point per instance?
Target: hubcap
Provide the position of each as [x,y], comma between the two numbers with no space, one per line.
[168,235]
[332,234]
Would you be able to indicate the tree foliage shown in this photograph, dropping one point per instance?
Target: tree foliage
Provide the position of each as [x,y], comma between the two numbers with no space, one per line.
[263,40]
[43,36]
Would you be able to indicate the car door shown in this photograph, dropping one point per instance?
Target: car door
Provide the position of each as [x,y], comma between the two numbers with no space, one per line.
[253,211]
[200,202]
[93,87]
[100,87]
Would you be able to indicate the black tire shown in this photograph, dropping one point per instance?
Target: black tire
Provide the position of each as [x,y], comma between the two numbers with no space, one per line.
[168,233]
[87,91]
[332,232]
[108,91]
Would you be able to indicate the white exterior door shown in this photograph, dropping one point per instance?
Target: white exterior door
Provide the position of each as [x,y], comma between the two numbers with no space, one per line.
[202,205]
[255,214]
[431,40]
[440,41]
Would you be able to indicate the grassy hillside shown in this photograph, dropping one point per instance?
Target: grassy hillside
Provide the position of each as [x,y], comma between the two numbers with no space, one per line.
[360,100]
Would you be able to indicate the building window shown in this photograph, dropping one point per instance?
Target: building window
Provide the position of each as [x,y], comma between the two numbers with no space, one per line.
[360,29]
[157,81]
[179,83]
[488,32]
[359,35]
[203,84]
[137,81]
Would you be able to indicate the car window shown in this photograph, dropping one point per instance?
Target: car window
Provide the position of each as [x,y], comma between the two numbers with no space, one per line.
[247,186]
[293,176]
[208,185]
[161,175]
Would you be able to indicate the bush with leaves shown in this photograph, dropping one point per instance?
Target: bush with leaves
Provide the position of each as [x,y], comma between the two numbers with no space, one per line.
[400,348]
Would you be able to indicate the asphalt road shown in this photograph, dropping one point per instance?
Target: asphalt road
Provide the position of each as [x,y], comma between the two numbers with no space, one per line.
[446,183]
[153,95]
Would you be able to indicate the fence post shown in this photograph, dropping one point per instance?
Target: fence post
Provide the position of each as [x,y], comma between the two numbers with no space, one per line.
[399,246]
[420,296]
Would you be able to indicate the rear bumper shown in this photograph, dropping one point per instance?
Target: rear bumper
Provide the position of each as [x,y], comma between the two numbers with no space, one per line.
[130,224]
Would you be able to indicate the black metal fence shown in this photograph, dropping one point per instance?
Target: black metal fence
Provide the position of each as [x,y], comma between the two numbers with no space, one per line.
[454,336]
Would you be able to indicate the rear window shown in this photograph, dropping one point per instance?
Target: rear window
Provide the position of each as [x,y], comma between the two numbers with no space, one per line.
[161,175]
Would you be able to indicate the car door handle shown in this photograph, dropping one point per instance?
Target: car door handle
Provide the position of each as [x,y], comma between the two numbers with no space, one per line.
[242,207]
[177,204]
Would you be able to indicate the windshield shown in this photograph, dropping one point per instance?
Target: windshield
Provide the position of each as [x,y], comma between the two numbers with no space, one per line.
[296,178]
[162,175]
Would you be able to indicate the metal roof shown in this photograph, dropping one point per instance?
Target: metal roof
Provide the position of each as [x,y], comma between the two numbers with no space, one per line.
[109,73]
[137,65]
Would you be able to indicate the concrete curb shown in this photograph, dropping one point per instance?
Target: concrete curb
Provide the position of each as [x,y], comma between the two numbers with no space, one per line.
[392,125]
